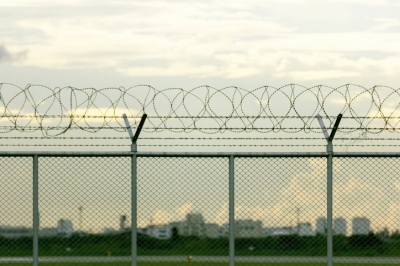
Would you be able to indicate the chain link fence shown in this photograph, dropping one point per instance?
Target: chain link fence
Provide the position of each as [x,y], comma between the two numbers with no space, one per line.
[185,211]
[81,202]
[366,208]
[277,202]
[182,207]
[16,213]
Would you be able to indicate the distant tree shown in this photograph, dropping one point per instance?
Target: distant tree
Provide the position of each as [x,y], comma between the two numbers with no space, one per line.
[365,241]
[175,234]
[384,234]
[395,234]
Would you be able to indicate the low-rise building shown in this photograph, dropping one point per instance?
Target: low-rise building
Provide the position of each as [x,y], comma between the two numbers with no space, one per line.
[305,229]
[65,227]
[15,231]
[278,231]
[48,232]
[248,229]
[211,230]
[224,230]
[159,231]
[110,230]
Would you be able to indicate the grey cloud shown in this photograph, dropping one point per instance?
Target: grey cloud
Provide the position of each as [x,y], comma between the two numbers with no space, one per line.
[6,56]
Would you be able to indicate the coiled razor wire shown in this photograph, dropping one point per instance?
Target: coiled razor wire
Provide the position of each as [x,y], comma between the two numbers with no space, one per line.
[290,109]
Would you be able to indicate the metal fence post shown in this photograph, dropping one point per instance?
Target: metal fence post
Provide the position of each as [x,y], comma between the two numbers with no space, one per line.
[134,208]
[134,138]
[329,149]
[231,211]
[35,210]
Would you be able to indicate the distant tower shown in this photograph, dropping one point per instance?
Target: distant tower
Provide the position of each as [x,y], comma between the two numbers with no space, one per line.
[122,221]
[194,224]
[298,219]
[340,226]
[80,217]
[321,226]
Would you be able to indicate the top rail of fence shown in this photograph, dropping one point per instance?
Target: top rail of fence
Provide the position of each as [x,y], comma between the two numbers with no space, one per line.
[194,154]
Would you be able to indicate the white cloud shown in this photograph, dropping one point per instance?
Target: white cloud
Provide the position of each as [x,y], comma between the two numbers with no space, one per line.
[225,40]
[386,23]
[179,214]
[184,209]
[321,74]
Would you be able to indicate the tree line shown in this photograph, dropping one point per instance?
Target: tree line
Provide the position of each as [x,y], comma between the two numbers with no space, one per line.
[120,245]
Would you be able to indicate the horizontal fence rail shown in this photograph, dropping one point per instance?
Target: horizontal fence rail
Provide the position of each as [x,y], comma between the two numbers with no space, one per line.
[197,154]
[228,208]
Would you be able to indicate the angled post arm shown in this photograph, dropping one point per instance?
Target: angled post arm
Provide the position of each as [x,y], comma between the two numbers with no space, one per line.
[135,137]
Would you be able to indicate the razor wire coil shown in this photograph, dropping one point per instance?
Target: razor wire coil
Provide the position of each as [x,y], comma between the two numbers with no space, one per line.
[71,108]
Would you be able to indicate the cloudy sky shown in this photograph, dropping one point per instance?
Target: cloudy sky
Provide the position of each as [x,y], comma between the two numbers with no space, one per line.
[190,43]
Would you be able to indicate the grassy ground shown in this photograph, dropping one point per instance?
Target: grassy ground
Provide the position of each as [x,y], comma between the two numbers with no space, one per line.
[187,264]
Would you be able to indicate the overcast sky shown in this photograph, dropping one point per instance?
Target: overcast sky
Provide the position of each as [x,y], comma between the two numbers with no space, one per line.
[190,43]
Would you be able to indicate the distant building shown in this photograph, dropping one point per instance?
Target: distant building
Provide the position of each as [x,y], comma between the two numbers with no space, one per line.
[361,226]
[109,230]
[48,232]
[159,231]
[211,230]
[65,228]
[305,229]
[248,228]
[15,231]
[224,230]
[321,226]
[340,226]
[193,225]
[178,225]
[278,231]
[243,229]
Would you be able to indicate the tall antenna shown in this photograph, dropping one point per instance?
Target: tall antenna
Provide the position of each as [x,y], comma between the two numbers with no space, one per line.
[298,219]
[80,217]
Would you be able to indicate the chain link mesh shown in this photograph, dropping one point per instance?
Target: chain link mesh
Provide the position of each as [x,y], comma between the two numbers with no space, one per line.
[366,208]
[279,203]
[82,202]
[16,207]
[183,209]
[182,206]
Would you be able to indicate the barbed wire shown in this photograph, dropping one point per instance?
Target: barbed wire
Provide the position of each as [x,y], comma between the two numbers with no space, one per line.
[197,145]
[198,138]
[291,108]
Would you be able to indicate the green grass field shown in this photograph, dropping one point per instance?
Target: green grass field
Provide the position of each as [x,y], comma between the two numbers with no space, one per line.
[188,264]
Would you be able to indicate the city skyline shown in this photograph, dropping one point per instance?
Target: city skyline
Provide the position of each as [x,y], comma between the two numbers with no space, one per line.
[195,224]
[163,198]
